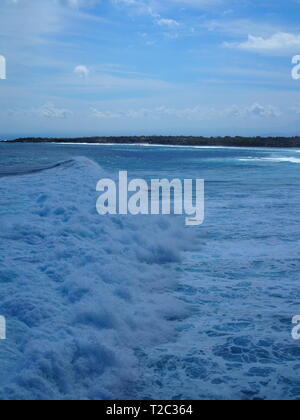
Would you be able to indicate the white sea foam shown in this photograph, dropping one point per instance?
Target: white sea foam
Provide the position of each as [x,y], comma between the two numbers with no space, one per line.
[167,146]
[272,159]
[81,293]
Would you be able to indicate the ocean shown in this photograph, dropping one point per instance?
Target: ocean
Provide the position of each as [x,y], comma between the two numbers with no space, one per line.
[142,307]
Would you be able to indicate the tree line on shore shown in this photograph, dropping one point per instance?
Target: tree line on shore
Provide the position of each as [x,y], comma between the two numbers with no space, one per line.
[175,140]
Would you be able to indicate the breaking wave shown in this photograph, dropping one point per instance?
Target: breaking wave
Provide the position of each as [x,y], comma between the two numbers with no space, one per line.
[272,159]
[82,294]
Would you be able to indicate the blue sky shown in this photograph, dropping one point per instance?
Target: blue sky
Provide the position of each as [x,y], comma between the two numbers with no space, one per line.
[125,67]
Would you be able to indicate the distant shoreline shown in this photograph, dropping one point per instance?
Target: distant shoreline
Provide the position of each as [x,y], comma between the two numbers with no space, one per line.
[264,142]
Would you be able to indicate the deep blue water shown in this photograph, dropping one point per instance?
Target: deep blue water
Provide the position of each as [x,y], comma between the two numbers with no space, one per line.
[222,331]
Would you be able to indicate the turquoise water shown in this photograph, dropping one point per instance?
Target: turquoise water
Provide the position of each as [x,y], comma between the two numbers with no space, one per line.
[143,307]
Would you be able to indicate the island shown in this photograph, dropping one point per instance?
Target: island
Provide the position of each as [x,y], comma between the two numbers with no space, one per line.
[273,142]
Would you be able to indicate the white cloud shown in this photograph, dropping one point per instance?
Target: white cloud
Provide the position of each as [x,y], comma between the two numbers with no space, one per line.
[268,111]
[149,8]
[279,43]
[158,112]
[241,27]
[49,110]
[196,113]
[170,23]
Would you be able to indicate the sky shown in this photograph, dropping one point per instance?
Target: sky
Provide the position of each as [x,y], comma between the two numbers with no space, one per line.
[149,67]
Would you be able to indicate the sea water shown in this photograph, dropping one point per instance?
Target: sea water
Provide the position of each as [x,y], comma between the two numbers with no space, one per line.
[141,307]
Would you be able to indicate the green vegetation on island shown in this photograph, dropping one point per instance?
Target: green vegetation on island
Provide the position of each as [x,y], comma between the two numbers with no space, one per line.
[281,142]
